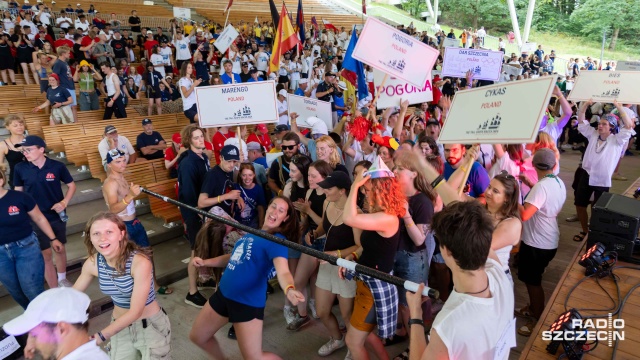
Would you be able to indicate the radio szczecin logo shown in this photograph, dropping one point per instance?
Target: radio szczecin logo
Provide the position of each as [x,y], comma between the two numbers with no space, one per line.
[608,329]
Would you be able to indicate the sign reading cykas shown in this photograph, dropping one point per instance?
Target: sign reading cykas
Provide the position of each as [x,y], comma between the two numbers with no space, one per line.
[606,86]
[394,52]
[485,64]
[507,113]
[227,36]
[237,104]
[306,107]
[396,89]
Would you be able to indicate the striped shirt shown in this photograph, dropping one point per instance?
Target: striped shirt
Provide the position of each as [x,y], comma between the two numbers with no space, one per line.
[120,286]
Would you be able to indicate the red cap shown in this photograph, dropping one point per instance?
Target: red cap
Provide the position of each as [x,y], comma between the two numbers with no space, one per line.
[55,76]
[262,128]
[176,138]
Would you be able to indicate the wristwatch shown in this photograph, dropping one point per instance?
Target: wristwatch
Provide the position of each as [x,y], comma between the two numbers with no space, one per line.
[54,239]
[416,322]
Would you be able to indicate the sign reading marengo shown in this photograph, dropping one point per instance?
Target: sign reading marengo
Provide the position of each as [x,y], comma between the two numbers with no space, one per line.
[396,89]
[395,53]
[484,64]
[507,113]
[237,104]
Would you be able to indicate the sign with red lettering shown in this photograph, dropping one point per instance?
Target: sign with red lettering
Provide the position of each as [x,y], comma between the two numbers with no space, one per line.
[628,66]
[306,107]
[395,53]
[237,104]
[396,89]
[485,64]
[506,113]
[606,86]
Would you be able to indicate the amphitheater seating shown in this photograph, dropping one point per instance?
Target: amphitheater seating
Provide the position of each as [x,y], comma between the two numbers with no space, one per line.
[164,210]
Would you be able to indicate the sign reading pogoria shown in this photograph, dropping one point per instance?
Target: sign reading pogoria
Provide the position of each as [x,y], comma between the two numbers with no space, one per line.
[237,104]
[506,113]
[606,86]
[306,107]
[485,64]
[394,52]
[396,89]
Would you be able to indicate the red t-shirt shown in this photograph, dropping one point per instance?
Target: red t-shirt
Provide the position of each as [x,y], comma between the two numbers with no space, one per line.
[218,143]
[148,47]
[86,41]
[169,155]
[264,140]
[63,42]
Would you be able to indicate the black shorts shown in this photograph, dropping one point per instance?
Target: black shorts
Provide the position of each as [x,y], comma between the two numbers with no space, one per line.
[283,79]
[152,93]
[532,262]
[584,191]
[7,63]
[59,229]
[191,113]
[235,311]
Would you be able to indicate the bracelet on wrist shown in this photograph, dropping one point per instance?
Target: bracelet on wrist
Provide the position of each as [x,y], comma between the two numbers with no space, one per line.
[437,181]
[54,239]
[416,322]
[355,256]
[101,336]
[289,287]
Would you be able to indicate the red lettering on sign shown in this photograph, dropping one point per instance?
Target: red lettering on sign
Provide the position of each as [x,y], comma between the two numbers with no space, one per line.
[490,105]
[399,48]
[236,98]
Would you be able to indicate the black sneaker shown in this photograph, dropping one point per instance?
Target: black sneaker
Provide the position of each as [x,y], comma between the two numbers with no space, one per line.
[209,284]
[232,333]
[196,300]
[270,289]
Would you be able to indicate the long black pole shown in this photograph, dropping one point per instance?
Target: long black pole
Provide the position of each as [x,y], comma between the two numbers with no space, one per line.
[408,285]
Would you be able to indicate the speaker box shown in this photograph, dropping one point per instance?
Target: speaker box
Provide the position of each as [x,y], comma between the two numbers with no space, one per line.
[623,247]
[617,215]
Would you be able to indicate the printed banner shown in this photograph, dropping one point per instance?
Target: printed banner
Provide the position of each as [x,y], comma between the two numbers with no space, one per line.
[528,48]
[396,89]
[181,13]
[306,107]
[237,104]
[227,36]
[485,64]
[605,86]
[628,66]
[394,52]
[507,113]
[448,42]
[8,346]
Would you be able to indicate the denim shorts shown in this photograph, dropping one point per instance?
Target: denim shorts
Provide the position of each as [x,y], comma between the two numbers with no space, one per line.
[410,266]
[22,269]
[137,233]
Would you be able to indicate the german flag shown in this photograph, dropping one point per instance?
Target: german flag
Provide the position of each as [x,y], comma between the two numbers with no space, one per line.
[285,40]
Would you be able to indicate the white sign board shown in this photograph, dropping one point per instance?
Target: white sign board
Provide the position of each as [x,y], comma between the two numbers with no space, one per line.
[448,42]
[485,64]
[512,70]
[394,52]
[628,66]
[237,104]
[8,346]
[528,48]
[396,89]
[181,13]
[507,113]
[227,36]
[306,107]
[606,86]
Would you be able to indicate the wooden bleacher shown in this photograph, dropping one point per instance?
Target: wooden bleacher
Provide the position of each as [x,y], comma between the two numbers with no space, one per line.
[164,210]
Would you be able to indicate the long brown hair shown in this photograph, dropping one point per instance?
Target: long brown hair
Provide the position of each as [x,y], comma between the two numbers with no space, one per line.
[244,166]
[291,227]
[209,243]
[420,182]
[127,247]
[512,194]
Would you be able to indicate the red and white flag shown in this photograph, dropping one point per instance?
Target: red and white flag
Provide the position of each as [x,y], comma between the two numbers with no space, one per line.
[364,7]
[228,6]
[329,26]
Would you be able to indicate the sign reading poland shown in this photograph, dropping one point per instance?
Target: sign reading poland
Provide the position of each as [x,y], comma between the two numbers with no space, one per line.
[485,64]
[606,86]
[506,113]
[395,53]
[396,89]
[237,104]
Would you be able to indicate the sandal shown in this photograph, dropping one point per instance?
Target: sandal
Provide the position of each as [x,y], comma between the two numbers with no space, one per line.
[165,290]
[523,312]
[395,339]
[526,329]
[403,355]
[580,236]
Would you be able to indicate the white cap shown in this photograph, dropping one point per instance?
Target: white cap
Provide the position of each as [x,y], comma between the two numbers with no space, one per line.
[342,85]
[318,126]
[283,92]
[303,81]
[26,1]
[52,306]
[149,32]
[272,76]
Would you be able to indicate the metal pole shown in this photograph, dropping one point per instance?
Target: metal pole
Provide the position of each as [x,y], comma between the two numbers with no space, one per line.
[436,6]
[514,22]
[604,37]
[429,7]
[527,21]
[408,285]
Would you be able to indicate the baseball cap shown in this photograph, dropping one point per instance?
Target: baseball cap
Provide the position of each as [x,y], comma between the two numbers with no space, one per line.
[230,152]
[329,73]
[279,129]
[110,129]
[544,159]
[283,92]
[146,121]
[318,126]
[396,110]
[432,121]
[253,71]
[338,179]
[254,146]
[32,140]
[176,138]
[56,305]
[342,85]
[262,128]
[149,32]
[114,154]
[303,81]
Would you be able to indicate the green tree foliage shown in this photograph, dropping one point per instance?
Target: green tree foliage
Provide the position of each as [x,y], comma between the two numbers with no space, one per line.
[414,7]
[618,17]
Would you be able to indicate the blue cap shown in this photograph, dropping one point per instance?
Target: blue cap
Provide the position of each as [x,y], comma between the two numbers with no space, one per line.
[230,152]
[32,140]
[114,154]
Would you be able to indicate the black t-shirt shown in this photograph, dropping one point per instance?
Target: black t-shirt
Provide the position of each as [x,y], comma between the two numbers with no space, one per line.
[145,140]
[274,171]
[191,171]
[14,218]
[58,95]
[447,88]
[202,70]
[77,53]
[119,48]
[217,183]
[421,210]
[323,87]
[161,38]
[135,22]
[129,40]
[245,77]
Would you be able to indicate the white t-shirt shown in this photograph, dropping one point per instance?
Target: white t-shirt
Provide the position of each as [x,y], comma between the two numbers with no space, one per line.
[294,69]
[81,25]
[262,62]
[34,28]
[600,164]
[87,351]
[166,55]
[45,18]
[8,25]
[187,102]
[484,320]
[158,63]
[124,145]
[62,24]
[541,230]
[182,48]
[282,107]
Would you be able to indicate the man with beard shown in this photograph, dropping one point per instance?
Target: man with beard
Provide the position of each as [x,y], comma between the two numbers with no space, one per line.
[279,170]
[478,180]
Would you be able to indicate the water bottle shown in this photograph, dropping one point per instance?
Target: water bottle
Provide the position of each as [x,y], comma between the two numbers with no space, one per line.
[63,216]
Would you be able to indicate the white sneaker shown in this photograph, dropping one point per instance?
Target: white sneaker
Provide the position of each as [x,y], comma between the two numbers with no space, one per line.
[289,314]
[65,283]
[331,346]
[348,356]
[312,309]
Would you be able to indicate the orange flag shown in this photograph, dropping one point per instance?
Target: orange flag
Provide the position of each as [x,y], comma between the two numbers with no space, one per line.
[285,40]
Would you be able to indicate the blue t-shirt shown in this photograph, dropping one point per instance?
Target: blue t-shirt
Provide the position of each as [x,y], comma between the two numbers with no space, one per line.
[252,199]
[262,161]
[338,101]
[58,95]
[299,92]
[64,73]
[43,183]
[14,218]
[226,79]
[144,140]
[478,179]
[218,182]
[245,278]
[252,80]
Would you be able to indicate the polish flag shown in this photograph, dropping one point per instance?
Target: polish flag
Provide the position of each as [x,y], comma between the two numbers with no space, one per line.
[328,26]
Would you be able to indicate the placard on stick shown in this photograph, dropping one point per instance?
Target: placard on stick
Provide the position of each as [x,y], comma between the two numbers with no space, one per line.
[507,113]
[394,52]
[237,104]
[485,64]
[396,89]
[606,86]
[227,36]
[306,107]
[628,66]
[181,13]
[453,43]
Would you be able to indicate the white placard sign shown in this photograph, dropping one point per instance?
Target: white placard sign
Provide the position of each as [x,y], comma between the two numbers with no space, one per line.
[237,104]
[181,13]
[528,48]
[485,64]
[606,86]
[512,70]
[8,346]
[306,107]
[394,52]
[396,89]
[449,42]
[227,36]
[628,66]
[507,113]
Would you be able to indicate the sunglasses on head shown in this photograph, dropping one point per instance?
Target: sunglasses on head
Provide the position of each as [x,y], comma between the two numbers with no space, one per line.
[288,147]
[506,175]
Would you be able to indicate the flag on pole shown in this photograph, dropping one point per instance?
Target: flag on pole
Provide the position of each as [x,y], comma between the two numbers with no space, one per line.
[256,21]
[356,66]
[329,26]
[300,22]
[274,13]
[228,6]
[364,7]
[314,22]
[285,40]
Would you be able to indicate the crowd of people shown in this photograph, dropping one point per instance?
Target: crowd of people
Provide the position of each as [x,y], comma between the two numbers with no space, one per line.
[386,198]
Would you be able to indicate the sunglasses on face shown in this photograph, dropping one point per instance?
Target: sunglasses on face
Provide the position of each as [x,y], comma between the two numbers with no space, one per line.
[288,147]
